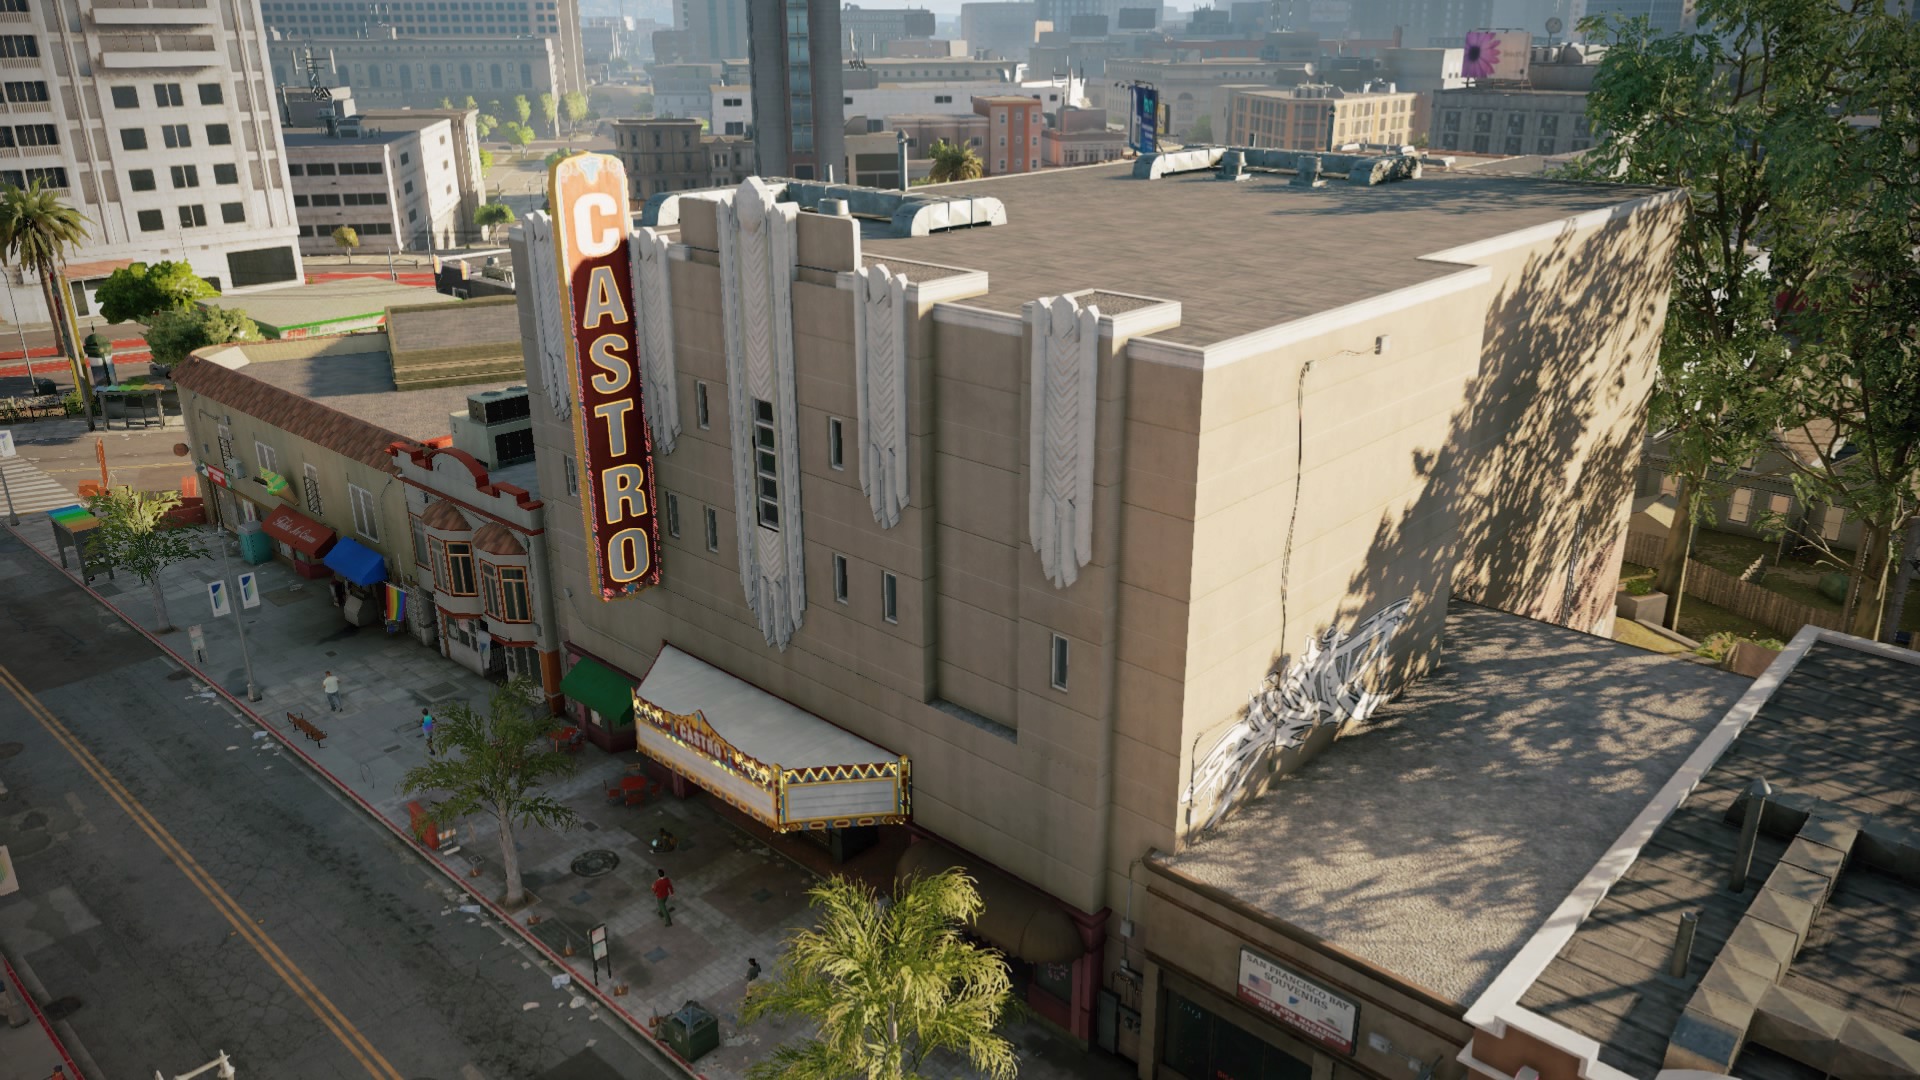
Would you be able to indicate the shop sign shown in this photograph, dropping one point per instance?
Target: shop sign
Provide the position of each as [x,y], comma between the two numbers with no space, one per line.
[218,476]
[588,193]
[1304,1006]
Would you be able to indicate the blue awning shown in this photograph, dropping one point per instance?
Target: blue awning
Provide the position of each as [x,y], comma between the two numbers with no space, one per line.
[356,562]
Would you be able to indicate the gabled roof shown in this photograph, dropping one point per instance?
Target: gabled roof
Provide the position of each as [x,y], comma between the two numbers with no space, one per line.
[346,435]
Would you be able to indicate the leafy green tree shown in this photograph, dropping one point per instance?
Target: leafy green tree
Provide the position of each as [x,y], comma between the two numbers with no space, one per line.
[135,535]
[521,136]
[522,109]
[348,239]
[132,293]
[549,111]
[483,125]
[574,108]
[1694,111]
[1202,129]
[496,763]
[954,161]
[558,156]
[493,214]
[486,161]
[446,103]
[887,985]
[172,335]
[469,103]
[36,232]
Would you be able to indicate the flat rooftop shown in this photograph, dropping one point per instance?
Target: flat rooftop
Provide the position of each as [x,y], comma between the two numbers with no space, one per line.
[1435,841]
[1843,726]
[361,386]
[298,138]
[1239,257]
[327,302]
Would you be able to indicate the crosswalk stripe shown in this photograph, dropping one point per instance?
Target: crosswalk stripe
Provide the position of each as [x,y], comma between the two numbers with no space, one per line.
[33,490]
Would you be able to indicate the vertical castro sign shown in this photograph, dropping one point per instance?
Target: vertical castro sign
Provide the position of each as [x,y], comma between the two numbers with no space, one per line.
[588,194]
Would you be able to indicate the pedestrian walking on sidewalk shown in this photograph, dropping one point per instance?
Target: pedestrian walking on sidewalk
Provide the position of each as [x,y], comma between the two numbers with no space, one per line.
[662,889]
[331,684]
[426,729]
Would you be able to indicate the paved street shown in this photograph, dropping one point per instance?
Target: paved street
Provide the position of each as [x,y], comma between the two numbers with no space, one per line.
[188,888]
[65,450]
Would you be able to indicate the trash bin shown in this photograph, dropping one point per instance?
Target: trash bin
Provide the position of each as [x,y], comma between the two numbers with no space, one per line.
[691,1032]
[256,546]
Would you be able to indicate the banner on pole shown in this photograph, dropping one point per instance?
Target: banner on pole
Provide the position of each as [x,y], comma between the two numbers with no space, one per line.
[249,590]
[217,596]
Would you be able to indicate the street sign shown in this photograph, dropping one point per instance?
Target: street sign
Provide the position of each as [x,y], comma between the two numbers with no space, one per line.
[249,591]
[6,443]
[217,596]
[598,935]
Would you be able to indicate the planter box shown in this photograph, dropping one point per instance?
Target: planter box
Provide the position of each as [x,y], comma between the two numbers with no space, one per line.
[1650,608]
[1746,658]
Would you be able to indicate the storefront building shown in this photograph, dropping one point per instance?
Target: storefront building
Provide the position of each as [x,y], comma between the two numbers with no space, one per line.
[1017,537]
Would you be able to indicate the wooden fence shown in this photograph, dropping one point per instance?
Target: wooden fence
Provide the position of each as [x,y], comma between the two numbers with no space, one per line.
[1752,602]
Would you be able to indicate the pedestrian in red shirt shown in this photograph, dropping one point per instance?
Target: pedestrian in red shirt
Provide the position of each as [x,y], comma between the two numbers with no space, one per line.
[662,889]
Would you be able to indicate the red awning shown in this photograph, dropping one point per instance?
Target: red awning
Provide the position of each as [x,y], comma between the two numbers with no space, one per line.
[298,531]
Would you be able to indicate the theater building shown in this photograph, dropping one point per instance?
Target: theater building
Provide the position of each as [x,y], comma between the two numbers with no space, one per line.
[976,518]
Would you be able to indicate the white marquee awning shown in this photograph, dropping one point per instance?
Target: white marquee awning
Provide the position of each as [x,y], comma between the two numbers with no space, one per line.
[779,763]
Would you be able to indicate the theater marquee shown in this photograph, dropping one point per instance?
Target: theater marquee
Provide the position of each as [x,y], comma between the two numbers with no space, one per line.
[588,196]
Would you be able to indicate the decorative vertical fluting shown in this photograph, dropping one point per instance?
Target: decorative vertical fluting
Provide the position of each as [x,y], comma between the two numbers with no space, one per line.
[757,267]
[653,335]
[550,327]
[880,381]
[1066,363]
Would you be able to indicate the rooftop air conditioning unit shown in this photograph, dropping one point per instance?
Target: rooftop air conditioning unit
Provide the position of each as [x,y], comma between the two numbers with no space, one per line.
[498,427]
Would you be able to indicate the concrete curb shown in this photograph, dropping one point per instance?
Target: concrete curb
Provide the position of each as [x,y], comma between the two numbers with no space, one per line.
[433,859]
[13,977]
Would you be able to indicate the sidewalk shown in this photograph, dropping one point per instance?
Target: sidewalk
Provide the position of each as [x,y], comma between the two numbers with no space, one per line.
[736,895]
[32,1051]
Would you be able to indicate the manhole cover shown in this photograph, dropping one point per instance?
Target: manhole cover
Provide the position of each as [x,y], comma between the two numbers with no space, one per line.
[595,863]
[9,749]
[61,1008]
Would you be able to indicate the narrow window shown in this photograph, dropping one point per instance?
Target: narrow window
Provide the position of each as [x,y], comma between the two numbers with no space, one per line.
[700,414]
[673,515]
[572,470]
[840,578]
[1830,525]
[1741,506]
[1059,672]
[514,604]
[310,482]
[459,568]
[713,530]
[890,597]
[364,520]
[766,471]
[490,589]
[1779,504]
[269,461]
[836,449]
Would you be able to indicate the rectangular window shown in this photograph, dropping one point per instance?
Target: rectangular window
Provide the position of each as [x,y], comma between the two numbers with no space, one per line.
[210,93]
[262,453]
[36,135]
[186,176]
[700,414]
[673,515]
[23,93]
[296,169]
[133,138]
[193,217]
[233,213]
[840,578]
[167,95]
[1669,485]
[151,221]
[126,97]
[836,450]
[889,597]
[320,168]
[571,469]
[140,179]
[459,580]
[1058,671]
[514,604]
[1779,504]
[19,45]
[365,519]
[713,530]
[311,483]
[490,589]
[436,558]
[1741,506]
[1831,522]
[219,135]
[176,136]
[766,471]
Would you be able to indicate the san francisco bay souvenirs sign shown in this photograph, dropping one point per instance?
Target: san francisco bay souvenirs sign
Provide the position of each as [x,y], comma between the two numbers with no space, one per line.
[588,194]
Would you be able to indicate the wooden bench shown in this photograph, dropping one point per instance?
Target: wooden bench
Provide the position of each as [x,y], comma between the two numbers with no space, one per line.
[301,725]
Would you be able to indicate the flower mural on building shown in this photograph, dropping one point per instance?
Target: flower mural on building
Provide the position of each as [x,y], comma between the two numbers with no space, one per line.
[1483,54]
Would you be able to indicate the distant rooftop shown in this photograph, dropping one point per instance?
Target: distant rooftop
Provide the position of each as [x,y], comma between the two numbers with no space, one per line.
[305,137]
[1239,257]
[312,307]
[1435,841]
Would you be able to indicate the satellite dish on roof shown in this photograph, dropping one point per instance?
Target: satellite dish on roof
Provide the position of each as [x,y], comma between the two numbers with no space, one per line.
[1554,26]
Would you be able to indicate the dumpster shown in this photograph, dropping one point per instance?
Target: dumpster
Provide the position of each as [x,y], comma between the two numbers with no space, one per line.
[691,1032]
[256,546]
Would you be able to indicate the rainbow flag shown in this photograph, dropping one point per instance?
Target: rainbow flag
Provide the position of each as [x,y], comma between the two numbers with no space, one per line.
[396,603]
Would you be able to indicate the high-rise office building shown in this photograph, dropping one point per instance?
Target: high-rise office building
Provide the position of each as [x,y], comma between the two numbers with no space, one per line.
[158,126]
[711,29]
[798,106]
[426,25]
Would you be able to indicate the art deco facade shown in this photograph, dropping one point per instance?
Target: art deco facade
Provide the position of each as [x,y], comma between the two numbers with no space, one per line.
[1037,505]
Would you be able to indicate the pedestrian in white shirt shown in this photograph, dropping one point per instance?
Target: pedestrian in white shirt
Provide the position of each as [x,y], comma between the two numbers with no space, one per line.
[331,684]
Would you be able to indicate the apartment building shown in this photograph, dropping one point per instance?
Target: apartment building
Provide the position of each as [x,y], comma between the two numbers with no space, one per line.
[183,158]
[1031,503]
[397,72]
[708,30]
[1547,116]
[1014,124]
[675,155]
[400,189]
[1187,88]
[1081,137]
[1314,117]
[999,29]
[870,30]
[799,116]
[437,33]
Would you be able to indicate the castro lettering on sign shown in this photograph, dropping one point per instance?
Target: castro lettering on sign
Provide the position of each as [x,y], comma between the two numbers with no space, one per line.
[588,193]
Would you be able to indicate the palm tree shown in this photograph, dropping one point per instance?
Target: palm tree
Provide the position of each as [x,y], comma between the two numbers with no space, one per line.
[885,985]
[36,232]
[954,161]
[495,763]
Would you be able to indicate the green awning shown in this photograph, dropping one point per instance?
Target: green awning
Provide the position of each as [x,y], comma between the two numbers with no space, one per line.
[601,689]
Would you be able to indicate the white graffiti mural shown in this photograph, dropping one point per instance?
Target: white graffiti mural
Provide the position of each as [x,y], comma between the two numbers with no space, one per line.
[1326,684]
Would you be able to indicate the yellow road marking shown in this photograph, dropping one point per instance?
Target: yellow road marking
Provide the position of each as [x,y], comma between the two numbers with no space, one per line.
[329,1014]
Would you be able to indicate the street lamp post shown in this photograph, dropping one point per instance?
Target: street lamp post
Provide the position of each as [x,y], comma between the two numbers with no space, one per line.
[239,620]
